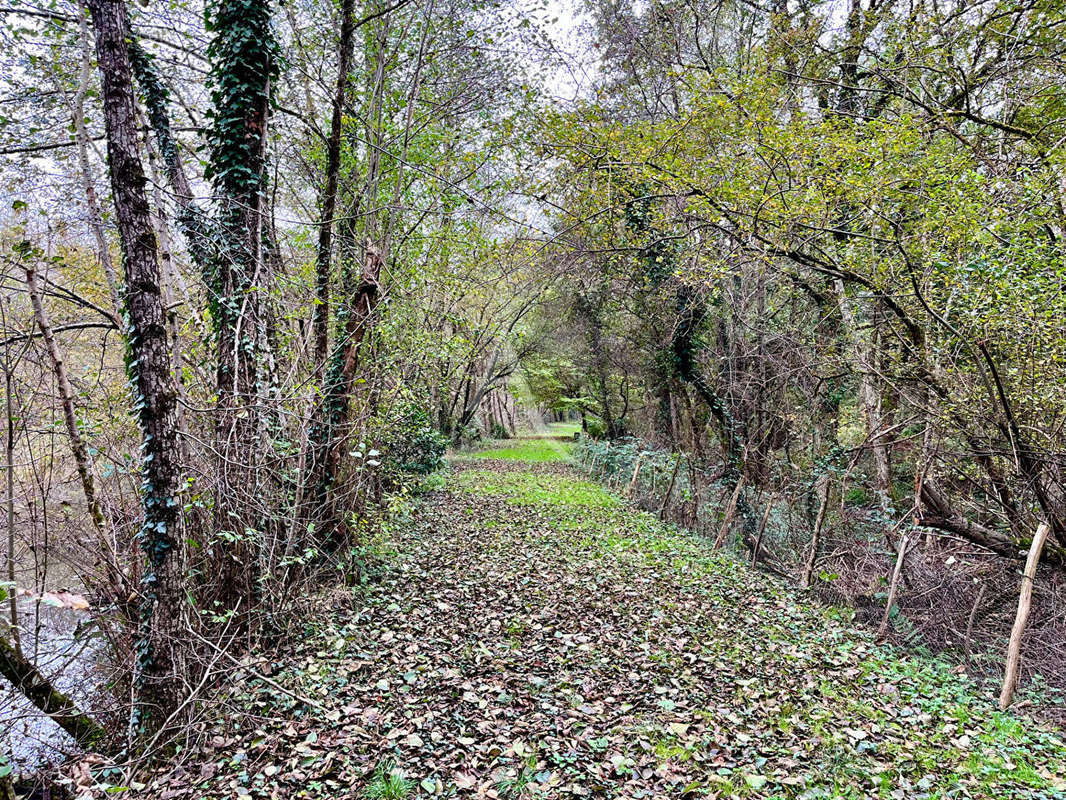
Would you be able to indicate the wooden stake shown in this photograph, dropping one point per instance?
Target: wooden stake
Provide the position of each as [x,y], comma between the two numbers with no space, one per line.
[694,491]
[729,511]
[670,488]
[636,474]
[9,450]
[812,559]
[762,527]
[904,542]
[1025,601]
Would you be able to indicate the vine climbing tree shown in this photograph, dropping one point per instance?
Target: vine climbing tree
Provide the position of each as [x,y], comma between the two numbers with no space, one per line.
[159,660]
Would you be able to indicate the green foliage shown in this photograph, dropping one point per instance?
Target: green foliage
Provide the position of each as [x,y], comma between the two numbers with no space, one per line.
[411,444]
[555,381]
[856,496]
[244,56]
[595,428]
[202,237]
[433,482]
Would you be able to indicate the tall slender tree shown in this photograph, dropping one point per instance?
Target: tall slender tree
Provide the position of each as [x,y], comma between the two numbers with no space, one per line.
[158,670]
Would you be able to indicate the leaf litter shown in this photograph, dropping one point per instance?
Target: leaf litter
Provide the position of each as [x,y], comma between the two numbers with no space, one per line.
[529,636]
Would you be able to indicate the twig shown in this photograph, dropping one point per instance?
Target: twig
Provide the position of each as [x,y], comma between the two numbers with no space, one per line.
[260,676]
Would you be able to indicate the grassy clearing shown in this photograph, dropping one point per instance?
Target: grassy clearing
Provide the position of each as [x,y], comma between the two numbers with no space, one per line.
[559,430]
[527,488]
[533,450]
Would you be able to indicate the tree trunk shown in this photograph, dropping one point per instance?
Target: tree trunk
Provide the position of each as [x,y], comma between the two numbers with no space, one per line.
[762,529]
[690,314]
[81,139]
[9,470]
[356,316]
[40,691]
[159,666]
[328,198]
[201,235]
[78,448]
[636,476]
[936,512]
[869,400]
[816,534]
[730,510]
[893,586]
[244,60]
[670,488]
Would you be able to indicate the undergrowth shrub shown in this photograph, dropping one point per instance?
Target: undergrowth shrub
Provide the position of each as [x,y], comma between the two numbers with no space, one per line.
[595,429]
[468,436]
[412,445]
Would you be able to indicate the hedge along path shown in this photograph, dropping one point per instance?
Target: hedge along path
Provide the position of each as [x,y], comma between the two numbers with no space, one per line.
[528,634]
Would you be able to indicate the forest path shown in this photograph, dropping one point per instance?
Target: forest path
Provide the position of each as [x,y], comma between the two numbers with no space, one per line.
[527,634]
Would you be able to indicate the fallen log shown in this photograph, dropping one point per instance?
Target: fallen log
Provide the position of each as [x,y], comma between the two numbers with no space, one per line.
[935,512]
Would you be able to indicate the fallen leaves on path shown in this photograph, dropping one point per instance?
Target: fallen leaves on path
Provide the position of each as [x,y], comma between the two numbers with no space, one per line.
[530,636]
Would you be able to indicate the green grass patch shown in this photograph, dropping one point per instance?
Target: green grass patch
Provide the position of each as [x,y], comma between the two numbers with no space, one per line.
[525,488]
[559,429]
[538,450]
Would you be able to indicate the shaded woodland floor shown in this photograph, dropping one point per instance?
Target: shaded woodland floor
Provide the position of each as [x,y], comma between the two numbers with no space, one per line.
[524,633]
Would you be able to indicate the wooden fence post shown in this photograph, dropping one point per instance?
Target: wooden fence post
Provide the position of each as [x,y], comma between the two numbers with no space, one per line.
[762,527]
[1025,601]
[729,511]
[670,488]
[812,558]
[893,586]
[636,474]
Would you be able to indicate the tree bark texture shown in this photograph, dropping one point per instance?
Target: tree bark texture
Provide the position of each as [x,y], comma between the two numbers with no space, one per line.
[159,665]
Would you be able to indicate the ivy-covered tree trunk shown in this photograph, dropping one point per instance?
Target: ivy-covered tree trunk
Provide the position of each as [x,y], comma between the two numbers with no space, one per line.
[658,258]
[328,199]
[684,345]
[354,319]
[159,665]
[200,237]
[244,58]
[318,457]
[588,311]
[361,260]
